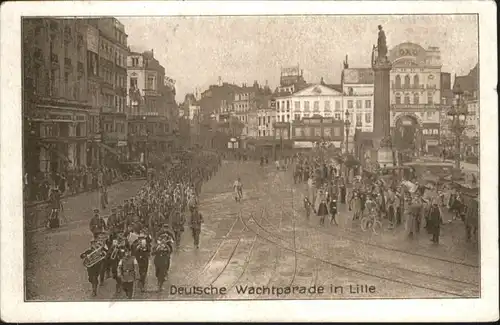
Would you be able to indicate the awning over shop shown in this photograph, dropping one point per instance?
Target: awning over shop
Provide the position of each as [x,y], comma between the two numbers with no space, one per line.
[109,149]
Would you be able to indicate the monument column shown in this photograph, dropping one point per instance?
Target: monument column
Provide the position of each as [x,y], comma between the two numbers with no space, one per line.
[382,102]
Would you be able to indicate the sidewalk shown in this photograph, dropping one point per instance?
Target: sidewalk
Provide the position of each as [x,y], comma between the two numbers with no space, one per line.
[79,207]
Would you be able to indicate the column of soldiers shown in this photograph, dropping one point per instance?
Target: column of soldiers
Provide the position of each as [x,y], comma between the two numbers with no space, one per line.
[149,224]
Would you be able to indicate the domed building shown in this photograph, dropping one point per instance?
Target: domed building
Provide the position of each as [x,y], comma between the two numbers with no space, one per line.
[415,97]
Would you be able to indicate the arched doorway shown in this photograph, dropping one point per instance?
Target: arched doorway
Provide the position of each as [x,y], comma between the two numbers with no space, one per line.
[407,134]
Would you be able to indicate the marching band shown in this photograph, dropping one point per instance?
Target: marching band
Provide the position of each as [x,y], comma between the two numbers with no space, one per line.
[148,225]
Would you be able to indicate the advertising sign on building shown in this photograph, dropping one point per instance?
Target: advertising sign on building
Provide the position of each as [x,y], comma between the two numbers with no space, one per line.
[92,39]
[303,144]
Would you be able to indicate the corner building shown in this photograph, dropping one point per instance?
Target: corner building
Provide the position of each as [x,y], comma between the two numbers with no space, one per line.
[415,97]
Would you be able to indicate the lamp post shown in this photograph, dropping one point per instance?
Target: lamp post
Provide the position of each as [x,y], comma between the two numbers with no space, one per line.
[347,124]
[457,117]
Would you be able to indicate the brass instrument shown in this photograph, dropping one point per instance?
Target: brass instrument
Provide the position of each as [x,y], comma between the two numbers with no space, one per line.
[95,257]
[118,244]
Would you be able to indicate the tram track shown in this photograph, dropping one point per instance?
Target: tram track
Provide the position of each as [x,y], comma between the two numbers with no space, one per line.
[395,278]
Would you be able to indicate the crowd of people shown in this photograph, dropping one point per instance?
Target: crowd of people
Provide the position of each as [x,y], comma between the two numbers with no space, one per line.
[383,197]
[149,224]
[77,180]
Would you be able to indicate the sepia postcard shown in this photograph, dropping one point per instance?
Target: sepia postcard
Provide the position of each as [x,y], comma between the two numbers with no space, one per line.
[249,161]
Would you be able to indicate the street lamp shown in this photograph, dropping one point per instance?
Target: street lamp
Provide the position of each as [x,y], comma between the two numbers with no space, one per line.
[347,124]
[457,117]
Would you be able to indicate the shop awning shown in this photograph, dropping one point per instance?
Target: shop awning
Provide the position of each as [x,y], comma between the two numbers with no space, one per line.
[109,149]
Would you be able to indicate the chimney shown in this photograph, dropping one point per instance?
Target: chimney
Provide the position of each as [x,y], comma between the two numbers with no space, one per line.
[302,72]
[152,52]
[322,81]
[220,81]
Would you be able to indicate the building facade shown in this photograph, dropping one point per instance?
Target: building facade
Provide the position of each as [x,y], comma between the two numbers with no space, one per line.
[55,98]
[415,97]
[357,88]
[309,131]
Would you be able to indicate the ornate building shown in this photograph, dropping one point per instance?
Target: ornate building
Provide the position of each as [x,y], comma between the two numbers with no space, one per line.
[415,97]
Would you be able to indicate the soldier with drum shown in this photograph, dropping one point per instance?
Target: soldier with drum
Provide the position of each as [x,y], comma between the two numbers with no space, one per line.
[128,272]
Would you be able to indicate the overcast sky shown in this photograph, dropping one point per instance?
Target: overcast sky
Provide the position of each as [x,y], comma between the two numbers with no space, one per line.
[195,51]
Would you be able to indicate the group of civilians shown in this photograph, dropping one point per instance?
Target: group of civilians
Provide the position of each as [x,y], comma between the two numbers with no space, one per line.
[80,179]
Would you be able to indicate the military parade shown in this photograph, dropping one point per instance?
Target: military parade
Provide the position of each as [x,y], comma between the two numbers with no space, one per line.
[371,182]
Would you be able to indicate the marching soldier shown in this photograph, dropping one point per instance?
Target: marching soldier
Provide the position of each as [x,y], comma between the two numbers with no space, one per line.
[113,221]
[141,251]
[333,209]
[196,221]
[97,224]
[95,269]
[308,207]
[161,252]
[128,272]
[178,222]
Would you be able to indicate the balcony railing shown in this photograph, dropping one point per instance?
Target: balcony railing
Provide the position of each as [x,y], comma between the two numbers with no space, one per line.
[150,92]
[415,106]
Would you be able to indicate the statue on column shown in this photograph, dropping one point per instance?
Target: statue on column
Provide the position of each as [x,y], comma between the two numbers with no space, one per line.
[381,46]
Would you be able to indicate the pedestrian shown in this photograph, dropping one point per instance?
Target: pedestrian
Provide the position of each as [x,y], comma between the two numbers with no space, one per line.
[178,222]
[322,211]
[333,210]
[435,221]
[308,207]
[128,272]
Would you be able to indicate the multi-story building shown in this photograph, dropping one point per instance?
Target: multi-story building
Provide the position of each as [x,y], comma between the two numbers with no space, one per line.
[109,90]
[245,104]
[55,99]
[415,96]
[357,89]
[310,131]
[266,115]
[217,101]
[150,104]
[469,85]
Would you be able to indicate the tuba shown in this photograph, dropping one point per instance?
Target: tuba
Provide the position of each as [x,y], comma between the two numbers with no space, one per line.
[95,257]
[120,243]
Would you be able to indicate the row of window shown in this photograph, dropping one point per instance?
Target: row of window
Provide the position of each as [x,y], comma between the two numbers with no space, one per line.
[118,127]
[416,99]
[430,131]
[337,116]
[407,80]
[317,131]
[109,52]
[326,105]
[262,120]
[63,129]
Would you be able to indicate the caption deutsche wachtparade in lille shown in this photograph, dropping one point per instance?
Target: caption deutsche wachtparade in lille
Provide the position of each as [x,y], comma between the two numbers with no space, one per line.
[360,182]
[274,291]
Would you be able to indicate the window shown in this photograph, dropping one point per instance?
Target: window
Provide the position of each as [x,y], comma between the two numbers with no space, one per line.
[368,103]
[296,117]
[398,99]
[287,117]
[429,115]
[350,104]
[416,81]
[151,82]
[297,106]
[407,81]
[358,104]
[358,119]
[327,132]
[430,99]
[306,114]
[306,106]
[269,119]
[287,106]
[368,118]
[424,131]
[416,99]
[407,99]
[306,132]
[327,105]
[278,106]
[316,105]
[317,131]
[337,116]
[398,82]
[337,105]
[66,83]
